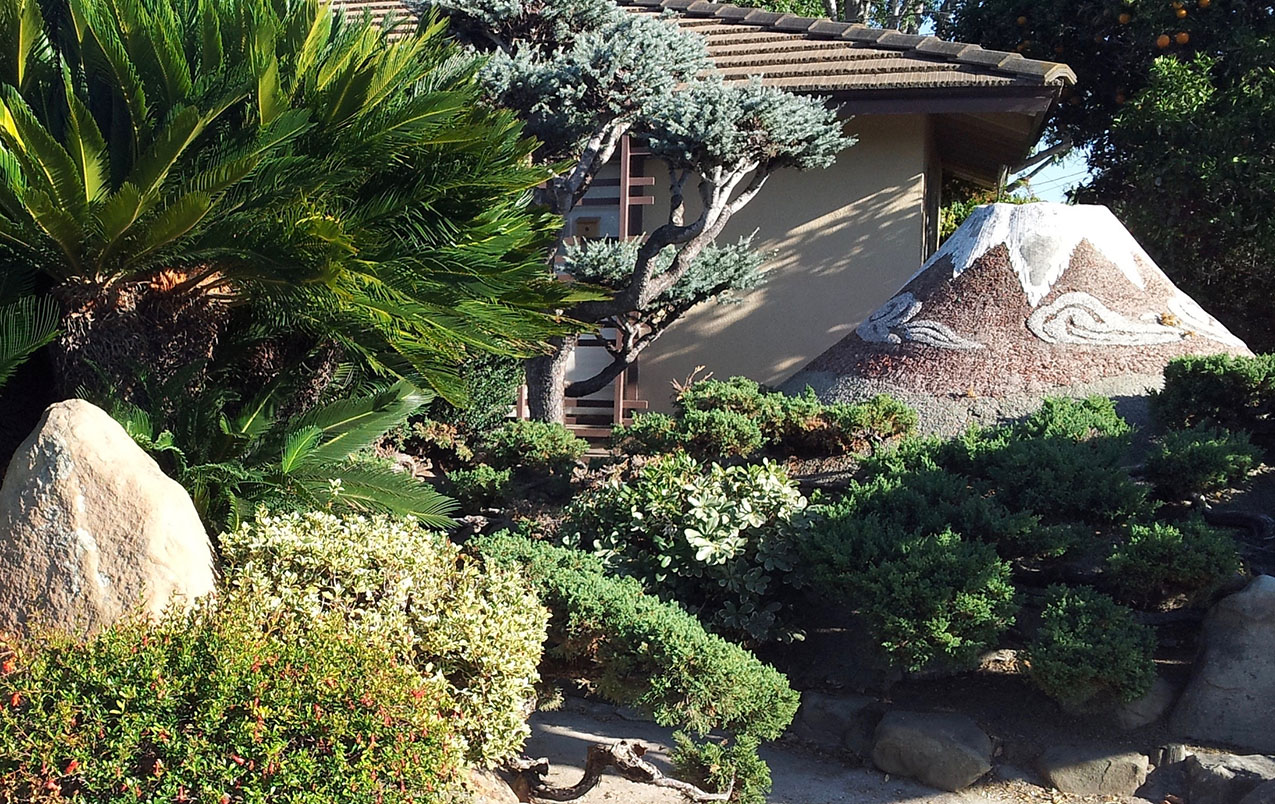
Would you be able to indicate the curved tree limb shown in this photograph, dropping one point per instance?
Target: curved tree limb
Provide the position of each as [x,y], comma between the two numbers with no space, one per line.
[625,757]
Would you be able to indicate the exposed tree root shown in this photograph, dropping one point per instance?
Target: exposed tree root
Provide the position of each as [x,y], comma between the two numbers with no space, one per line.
[625,757]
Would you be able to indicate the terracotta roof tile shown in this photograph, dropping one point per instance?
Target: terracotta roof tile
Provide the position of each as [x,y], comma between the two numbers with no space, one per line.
[819,55]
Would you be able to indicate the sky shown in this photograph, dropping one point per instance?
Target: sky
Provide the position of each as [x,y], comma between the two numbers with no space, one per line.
[1052,183]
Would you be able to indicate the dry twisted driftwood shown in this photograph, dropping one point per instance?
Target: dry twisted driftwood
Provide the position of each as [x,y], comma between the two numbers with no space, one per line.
[624,756]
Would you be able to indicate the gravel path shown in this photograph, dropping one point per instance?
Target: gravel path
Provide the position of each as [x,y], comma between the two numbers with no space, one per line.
[800,776]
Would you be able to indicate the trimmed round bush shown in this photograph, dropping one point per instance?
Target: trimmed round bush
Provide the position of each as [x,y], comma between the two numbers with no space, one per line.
[480,486]
[217,704]
[1088,646]
[1201,460]
[476,630]
[1160,559]
[939,600]
[538,448]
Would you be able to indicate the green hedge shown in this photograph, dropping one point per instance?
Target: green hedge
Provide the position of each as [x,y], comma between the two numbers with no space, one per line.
[737,418]
[1159,560]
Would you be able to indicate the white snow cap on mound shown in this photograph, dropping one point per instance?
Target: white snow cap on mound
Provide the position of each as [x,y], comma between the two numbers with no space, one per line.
[1040,238]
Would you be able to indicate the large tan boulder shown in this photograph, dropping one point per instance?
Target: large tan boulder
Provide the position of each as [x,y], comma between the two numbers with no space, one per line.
[91,529]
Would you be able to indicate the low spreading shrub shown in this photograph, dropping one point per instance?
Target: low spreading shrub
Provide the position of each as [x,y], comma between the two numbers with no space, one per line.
[537,448]
[921,544]
[720,764]
[739,394]
[1089,646]
[720,411]
[640,651]
[719,540]
[1227,391]
[712,434]
[929,598]
[1063,463]
[476,631]
[1159,560]
[1201,460]
[940,600]
[649,434]
[480,486]
[219,705]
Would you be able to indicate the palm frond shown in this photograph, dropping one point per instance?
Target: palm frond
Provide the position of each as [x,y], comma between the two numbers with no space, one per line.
[26,326]
[348,426]
[367,489]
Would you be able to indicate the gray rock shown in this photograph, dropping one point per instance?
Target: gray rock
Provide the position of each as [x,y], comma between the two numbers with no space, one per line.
[1231,696]
[838,721]
[90,528]
[1264,793]
[1170,754]
[1225,778]
[1149,708]
[1093,771]
[949,752]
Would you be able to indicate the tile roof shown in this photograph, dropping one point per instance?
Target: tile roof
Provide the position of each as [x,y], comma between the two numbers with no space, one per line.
[804,54]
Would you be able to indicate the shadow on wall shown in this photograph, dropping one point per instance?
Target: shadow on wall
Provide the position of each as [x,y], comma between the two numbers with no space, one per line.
[829,272]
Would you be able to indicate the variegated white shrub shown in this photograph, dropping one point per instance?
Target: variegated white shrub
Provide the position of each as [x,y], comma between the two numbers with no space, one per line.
[717,539]
[479,629]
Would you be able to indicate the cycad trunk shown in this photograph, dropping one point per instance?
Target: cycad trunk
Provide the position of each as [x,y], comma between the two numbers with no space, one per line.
[121,337]
[547,381]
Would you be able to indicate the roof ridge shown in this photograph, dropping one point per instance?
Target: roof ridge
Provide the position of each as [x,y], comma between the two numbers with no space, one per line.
[964,53]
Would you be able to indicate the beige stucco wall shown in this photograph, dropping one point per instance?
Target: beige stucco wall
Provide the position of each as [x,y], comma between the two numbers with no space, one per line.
[845,239]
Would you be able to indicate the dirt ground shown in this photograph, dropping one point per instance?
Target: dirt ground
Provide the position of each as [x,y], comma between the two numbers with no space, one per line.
[800,774]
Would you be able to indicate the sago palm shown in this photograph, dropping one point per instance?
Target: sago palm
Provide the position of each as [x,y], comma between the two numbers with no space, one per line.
[170,166]
[234,457]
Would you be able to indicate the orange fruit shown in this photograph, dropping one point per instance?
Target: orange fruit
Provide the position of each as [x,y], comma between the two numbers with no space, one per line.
[1022,20]
[1162,41]
[1120,97]
[1125,18]
[1181,12]
[1182,38]
[1204,3]
[1023,45]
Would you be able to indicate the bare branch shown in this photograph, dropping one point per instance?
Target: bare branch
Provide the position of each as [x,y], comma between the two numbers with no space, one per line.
[625,757]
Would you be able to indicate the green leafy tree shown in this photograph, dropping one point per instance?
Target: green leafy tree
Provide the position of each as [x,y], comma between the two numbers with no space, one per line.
[583,74]
[174,171]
